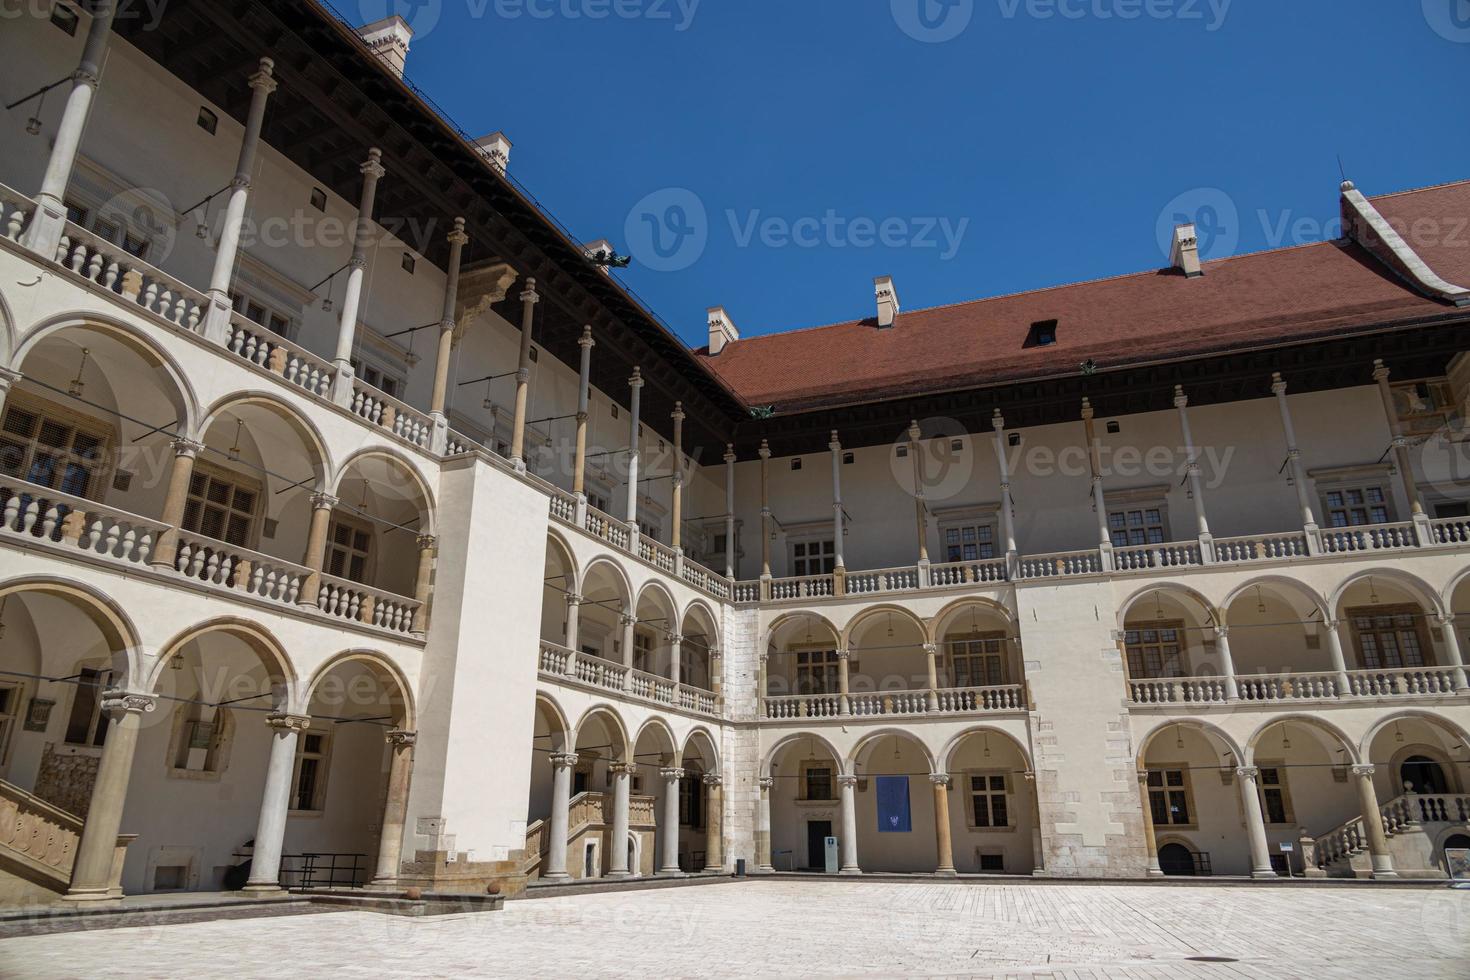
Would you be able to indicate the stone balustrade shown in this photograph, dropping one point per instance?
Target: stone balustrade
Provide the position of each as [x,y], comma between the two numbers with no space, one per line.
[559,664]
[1178,690]
[1291,687]
[352,600]
[945,700]
[42,839]
[1374,537]
[1400,814]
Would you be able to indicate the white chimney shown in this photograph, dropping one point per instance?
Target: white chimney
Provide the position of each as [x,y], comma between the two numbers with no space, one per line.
[496,149]
[389,39]
[721,330]
[1184,255]
[601,245]
[887,297]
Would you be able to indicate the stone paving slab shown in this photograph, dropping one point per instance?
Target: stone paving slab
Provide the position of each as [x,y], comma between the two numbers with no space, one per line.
[800,928]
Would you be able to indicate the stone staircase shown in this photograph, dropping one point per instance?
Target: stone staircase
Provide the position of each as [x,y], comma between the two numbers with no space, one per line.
[38,843]
[588,815]
[1410,821]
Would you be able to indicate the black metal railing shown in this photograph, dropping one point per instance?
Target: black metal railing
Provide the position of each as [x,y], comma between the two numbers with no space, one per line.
[301,872]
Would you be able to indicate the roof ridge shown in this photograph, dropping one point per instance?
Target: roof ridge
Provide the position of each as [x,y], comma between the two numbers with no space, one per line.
[1419,190]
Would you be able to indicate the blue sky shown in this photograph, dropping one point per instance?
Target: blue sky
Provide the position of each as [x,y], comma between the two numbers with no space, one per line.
[774,156]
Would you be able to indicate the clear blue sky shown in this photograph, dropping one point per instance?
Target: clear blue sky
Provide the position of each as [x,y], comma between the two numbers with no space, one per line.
[1054,143]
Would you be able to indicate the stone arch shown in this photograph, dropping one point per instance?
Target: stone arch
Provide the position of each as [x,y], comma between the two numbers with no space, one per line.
[769,759]
[613,568]
[398,462]
[1415,714]
[382,667]
[1171,589]
[1410,583]
[1205,728]
[700,629]
[1324,729]
[812,619]
[870,739]
[306,430]
[659,593]
[942,619]
[708,748]
[112,622]
[7,331]
[557,544]
[1455,583]
[1281,582]
[271,653]
[946,754]
[622,748]
[556,721]
[664,740]
[861,620]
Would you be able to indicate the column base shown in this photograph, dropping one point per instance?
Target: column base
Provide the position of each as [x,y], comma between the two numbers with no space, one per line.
[93,897]
[765,869]
[264,889]
[1154,873]
[851,871]
[558,876]
[1267,874]
[667,873]
[946,873]
[713,870]
[618,874]
[1388,875]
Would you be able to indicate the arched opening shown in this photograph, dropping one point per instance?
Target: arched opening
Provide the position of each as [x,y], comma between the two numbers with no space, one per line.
[1305,785]
[804,802]
[980,659]
[652,644]
[701,635]
[559,585]
[1191,797]
[606,601]
[992,805]
[1390,635]
[1421,774]
[802,668]
[887,664]
[700,819]
[1278,635]
[894,804]
[1421,769]
[381,526]
[657,778]
[1178,860]
[1168,633]
[551,737]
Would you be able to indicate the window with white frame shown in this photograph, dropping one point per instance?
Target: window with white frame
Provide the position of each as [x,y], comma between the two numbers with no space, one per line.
[349,549]
[1155,651]
[222,505]
[815,557]
[817,672]
[1275,800]
[1389,637]
[1170,802]
[989,800]
[816,781]
[978,660]
[1358,505]
[971,541]
[52,447]
[309,780]
[1133,526]
[112,228]
[643,650]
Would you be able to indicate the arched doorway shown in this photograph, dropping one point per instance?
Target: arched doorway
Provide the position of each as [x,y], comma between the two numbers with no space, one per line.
[894,804]
[1421,774]
[1177,860]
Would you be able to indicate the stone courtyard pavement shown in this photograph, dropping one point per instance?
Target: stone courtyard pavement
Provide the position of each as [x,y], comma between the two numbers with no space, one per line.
[801,928]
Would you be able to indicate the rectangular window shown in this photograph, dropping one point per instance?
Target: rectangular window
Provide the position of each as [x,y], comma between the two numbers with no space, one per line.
[813,557]
[691,799]
[988,800]
[643,651]
[318,199]
[1155,651]
[1137,526]
[978,660]
[1389,638]
[409,263]
[252,309]
[65,18]
[309,782]
[816,783]
[1357,506]
[10,707]
[1168,797]
[87,724]
[349,546]
[389,384]
[816,672]
[1275,803]
[969,542]
[52,448]
[221,506]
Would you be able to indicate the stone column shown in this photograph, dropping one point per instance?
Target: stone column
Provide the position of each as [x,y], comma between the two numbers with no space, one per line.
[668,824]
[372,172]
[1255,823]
[275,805]
[931,656]
[574,614]
[836,446]
[676,658]
[555,867]
[529,298]
[1452,650]
[1150,840]
[91,875]
[763,827]
[1227,662]
[617,860]
[676,534]
[849,848]
[1373,821]
[439,400]
[48,224]
[941,783]
[1401,456]
[395,807]
[217,320]
[322,505]
[1294,462]
[1007,504]
[584,397]
[765,455]
[174,501]
[1196,487]
[844,684]
[635,398]
[1339,663]
[629,624]
[921,511]
[714,823]
[730,548]
[1099,503]
[423,589]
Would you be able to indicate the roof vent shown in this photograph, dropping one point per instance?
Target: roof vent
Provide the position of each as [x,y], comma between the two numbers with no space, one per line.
[1184,255]
[496,149]
[1043,334]
[721,330]
[887,296]
[389,39]
[602,253]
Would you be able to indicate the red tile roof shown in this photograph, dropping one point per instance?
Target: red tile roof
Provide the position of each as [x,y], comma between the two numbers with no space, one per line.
[1287,295]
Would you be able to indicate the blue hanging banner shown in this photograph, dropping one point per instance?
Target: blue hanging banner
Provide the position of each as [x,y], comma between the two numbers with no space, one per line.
[894,816]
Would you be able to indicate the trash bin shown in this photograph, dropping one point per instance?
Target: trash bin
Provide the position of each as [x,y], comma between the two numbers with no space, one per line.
[740,867]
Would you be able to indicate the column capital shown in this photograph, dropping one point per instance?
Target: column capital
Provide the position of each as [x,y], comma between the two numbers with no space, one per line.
[931,649]
[671,772]
[1364,770]
[836,444]
[263,80]
[1142,777]
[678,413]
[625,620]
[622,768]
[8,378]
[940,779]
[324,501]
[766,782]
[574,600]
[1181,400]
[284,721]
[240,182]
[399,737]
[729,452]
[998,421]
[712,779]
[563,760]
[1222,632]
[427,542]
[675,638]
[586,340]
[373,167]
[1278,384]
[847,781]
[116,702]
[1380,370]
[843,653]
[187,447]
[636,379]
[1447,620]
[529,294]
[914,432]
[1248,772]
[765,450]
[1087,412]
[457,234]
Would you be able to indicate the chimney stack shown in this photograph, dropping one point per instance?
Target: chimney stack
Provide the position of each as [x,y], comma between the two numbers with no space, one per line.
[721,330]
[389,39]
[496,149]
[601,245]
[1184,255]
[887,297]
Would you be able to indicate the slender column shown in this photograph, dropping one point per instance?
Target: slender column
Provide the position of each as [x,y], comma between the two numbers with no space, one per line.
[676,536]
[270,831]
[1339,662]
[1196,487]
[714,823]
[763,827]
[423,589]
[931,656]
[844,687]
[765,455]
[1255,823]
[1150,839]
[668,824]
[1452,650]
[730,548]
[941,782]
[617,860]
[676,658]
[1099,504]
[1007,504]
[1227,662]
[837,532]
[562,764]
[91,875]
[1294,461]
[1373,821]
[439,400]
[848,786]
[1401,457]
[217,320]
[629,624]
[174,502]
[395,807]
[529,298]
[372,172]
[47,224]
[574,611]
[584,396]
[635,397]
[322,505]
[921,510]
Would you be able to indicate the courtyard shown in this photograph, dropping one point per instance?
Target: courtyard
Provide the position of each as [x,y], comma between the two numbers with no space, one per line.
[807,928]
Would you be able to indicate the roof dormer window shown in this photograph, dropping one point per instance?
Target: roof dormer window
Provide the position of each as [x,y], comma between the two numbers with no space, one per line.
[1043,334]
